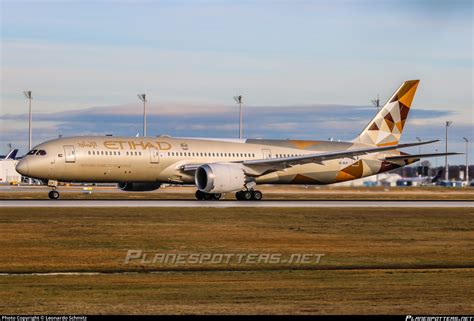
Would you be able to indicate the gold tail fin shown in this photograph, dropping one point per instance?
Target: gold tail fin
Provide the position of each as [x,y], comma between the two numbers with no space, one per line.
[387,126]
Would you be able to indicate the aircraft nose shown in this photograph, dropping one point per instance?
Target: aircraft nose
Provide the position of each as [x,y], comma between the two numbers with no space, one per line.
[22,167]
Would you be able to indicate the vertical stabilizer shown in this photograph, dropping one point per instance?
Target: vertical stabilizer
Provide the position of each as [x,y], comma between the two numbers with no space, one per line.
[387,126]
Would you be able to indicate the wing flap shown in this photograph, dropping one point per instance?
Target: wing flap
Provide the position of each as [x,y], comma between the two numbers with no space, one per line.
[407,157]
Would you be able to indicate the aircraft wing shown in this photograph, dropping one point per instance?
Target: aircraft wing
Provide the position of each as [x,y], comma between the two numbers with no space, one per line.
[321,157]
[259,167]
[406,157]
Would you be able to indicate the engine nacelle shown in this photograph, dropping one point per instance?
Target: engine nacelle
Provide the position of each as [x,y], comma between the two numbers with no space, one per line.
[219,178]
[139,187]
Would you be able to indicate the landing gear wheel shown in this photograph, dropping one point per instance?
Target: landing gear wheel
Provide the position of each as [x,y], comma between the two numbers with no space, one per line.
[238,195]
[200,195]
[247,196]
[54,195]
[217,196]
[257,195]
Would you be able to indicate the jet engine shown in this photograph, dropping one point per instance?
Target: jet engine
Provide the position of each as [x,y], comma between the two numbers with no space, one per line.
[219,178]
[138,187]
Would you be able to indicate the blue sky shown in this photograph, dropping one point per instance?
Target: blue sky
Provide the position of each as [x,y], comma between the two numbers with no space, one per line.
[195,55]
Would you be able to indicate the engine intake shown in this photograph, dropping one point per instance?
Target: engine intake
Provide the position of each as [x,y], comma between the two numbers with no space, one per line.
[219,178]
[139,187]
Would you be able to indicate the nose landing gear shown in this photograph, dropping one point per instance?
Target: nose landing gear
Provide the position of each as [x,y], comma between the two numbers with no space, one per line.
[54,194]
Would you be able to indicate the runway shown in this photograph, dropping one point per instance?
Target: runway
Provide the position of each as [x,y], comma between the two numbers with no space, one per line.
[229,204]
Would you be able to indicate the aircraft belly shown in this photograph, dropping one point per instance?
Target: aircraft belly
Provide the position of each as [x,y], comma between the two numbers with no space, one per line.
[328,173]
[310,174]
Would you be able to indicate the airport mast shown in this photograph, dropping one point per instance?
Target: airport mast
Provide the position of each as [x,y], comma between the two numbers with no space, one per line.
[376,102]
[142,97]
[419,152]
[27,94]
[238,100]
[467,160]
[446,174]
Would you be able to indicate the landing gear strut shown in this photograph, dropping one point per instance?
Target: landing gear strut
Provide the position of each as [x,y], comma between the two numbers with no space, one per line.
[249,195]
[201,196]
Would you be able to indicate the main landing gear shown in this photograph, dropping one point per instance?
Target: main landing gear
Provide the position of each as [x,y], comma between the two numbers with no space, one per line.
[251,195]
[201,196]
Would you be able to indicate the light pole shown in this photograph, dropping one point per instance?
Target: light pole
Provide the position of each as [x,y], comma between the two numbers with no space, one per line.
[28,96]
[238,100]
[419,152]
[446,174]
[467,159]
[142,97]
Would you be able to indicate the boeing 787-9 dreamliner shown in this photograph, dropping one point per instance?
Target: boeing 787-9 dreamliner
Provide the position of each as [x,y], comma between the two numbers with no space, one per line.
[217,166]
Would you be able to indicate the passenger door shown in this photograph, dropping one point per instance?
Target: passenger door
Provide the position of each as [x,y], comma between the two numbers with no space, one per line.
[154,156]
[69,154]
[266,153]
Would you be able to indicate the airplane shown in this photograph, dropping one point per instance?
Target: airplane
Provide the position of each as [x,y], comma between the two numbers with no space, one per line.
[217,166]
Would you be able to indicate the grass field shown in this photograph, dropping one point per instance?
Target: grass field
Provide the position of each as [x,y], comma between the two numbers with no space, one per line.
[376,260]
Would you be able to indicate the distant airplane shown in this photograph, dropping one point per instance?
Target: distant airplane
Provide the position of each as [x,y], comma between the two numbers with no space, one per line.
[217,166]
[424,180]
[11,155]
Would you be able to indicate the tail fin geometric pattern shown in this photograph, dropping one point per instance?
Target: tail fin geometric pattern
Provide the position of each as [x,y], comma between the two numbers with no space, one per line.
[387,126]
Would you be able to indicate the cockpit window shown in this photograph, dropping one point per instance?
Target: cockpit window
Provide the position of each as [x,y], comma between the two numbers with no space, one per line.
[32,152]
[41,152]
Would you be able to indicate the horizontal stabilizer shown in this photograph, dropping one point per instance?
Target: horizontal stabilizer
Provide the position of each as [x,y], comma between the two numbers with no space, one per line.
[406,157]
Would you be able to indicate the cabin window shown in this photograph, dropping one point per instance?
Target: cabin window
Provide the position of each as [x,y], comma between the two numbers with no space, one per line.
[89,152]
